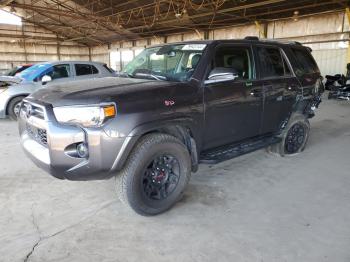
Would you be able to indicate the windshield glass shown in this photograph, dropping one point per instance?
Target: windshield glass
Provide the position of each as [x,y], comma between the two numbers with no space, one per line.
[170,62]
[32,72]
[11,72]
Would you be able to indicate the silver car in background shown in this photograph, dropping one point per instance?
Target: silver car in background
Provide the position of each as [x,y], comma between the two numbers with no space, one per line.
[41,75]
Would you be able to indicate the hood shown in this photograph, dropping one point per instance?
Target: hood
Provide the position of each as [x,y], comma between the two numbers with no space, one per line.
[94,91]
[11,79]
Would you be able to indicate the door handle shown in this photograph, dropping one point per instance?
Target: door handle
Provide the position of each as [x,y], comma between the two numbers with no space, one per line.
[248,84]
[292,87]
[256,92]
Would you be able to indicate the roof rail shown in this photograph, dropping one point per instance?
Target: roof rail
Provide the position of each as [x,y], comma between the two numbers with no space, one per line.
[253,38]
[281,41]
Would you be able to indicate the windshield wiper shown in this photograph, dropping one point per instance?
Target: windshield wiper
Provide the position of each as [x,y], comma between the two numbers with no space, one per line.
[125,74]
[147,75]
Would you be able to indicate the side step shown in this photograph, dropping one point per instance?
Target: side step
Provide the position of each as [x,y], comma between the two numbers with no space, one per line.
[224,153]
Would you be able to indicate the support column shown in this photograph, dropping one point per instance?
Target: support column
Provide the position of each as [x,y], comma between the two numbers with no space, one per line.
[58,49]
[347,13]
[24,45]
[262,29]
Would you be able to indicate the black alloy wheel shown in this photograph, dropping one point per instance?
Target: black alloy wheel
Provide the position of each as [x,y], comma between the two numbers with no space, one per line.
[295,138]
[155,174]
[161,177]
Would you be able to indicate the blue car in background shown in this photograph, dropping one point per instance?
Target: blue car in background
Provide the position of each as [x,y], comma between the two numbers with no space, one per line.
[42,75]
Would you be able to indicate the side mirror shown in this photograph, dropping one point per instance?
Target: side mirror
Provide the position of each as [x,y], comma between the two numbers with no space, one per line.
[220,74]
[45,79]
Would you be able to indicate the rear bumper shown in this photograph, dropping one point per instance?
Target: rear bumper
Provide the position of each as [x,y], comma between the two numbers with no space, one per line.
[57,156]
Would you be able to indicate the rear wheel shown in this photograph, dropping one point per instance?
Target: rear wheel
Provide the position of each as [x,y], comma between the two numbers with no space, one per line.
[155,174]
[14,106]
[294,136]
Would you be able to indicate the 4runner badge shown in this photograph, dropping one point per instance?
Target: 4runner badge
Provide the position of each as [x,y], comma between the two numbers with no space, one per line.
[169,102]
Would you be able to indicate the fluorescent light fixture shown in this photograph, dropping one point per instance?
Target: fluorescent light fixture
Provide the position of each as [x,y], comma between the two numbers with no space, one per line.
[10,19]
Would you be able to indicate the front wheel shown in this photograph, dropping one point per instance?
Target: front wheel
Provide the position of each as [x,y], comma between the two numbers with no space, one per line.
[294,136]
[14,107]
[155,174]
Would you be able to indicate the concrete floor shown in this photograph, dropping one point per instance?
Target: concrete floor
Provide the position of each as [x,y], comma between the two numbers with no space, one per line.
[257,207]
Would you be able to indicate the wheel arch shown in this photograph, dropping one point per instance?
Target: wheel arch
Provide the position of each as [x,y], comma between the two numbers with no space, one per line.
[179,128]
[10,99]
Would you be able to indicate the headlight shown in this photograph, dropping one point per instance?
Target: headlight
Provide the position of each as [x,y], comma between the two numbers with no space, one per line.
[3,89]
[86,116]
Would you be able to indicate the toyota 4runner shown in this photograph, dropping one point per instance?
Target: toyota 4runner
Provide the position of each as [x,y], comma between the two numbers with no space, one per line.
[174,106]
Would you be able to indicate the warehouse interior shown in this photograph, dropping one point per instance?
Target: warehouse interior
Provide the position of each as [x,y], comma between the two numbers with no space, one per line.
[115,33]
[256,207]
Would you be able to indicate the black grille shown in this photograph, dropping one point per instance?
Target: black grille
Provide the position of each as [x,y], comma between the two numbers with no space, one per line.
[37,134]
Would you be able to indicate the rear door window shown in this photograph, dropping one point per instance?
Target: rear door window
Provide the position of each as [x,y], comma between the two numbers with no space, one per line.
[272,62]
[306,63]
[85,69]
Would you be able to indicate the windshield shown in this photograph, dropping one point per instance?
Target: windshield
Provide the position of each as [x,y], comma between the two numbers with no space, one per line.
[32,72]
[11,72]
[170,62]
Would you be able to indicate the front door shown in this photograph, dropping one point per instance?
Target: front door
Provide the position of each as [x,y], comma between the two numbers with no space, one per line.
[233,108]
[59,73]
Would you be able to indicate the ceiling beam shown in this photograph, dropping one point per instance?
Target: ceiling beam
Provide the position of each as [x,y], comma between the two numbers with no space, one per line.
[4,3]
[229,21]
[86,16]
[220,11]
[54,38]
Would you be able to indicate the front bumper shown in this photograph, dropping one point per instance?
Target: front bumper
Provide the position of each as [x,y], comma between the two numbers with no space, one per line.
[3,100]
[54,152]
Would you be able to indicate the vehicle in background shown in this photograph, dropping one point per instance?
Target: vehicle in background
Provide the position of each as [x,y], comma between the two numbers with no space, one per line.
[177,105]
[16,70]
[339,85]
[14,89]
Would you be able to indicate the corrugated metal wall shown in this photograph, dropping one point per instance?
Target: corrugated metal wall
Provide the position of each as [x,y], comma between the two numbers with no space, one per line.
[331,61]
[16,50]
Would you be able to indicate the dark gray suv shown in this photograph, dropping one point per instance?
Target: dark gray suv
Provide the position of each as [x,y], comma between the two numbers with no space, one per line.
[173,107]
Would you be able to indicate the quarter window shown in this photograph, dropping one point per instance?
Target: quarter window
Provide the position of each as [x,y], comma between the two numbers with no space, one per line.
[108,69]
[85,69]
[306,62]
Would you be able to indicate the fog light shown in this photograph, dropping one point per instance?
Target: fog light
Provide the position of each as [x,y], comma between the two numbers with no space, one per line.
[82,150]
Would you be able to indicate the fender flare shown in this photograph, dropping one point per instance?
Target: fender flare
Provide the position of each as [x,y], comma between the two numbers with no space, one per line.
[184,124]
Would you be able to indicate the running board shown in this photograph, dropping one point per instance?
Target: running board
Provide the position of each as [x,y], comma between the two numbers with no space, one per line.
[231,151]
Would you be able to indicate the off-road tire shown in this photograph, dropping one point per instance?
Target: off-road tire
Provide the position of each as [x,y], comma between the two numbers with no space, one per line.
[128,181]
[280,148]
[12,105]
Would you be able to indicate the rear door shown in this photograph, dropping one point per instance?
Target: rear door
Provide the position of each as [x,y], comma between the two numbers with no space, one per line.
[233,108]
[279,87]
[306,69]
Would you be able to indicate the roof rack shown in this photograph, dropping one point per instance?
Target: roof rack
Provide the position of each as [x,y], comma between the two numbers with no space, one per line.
[281,41]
